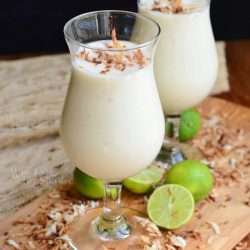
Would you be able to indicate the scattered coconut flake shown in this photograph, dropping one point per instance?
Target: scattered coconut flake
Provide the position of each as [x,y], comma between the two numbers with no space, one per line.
[145,198]
[64,246]
[233,163]
[178,241]
[214,193]
[169,247]
[94,204]
[213,121]
[228,147]
[231,184]
[140,219]
[156,245]
[50,242]
[64,237]
[155,228]
[145,239]
[215,226]
[202,246]
[69,217]
[31,245]
[68,242]
[212,164]
[14,244]
[80,209]
[147,224]
[240,134]
[210,240]
[54,195]
[55,216]
[51,230]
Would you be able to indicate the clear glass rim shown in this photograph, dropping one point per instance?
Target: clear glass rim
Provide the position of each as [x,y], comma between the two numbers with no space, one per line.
[138,46]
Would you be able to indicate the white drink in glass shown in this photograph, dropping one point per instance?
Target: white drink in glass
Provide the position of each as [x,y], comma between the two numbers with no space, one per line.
[185,63]
[112,124]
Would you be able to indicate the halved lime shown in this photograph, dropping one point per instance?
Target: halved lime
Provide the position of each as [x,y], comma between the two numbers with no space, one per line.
[193,175]
[170,206]
[145,181]
[190,123]
[88,186]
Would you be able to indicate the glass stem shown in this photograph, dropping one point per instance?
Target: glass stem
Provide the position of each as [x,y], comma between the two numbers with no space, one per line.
[112,202]
[172,127]
[170,145]
[112,225]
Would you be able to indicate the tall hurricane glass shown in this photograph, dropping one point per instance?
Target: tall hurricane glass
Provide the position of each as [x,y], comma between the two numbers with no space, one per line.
[112,124]
[186,62]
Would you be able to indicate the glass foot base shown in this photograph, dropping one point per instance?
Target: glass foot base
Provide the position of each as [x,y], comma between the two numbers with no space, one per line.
[108,230]
[84,236]
[181,152]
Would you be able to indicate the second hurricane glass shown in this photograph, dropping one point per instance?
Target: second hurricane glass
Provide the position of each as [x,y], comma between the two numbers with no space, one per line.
[186,61]
[112,124]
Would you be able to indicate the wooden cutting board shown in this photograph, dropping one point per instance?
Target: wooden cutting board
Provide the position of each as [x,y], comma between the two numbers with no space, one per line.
[229,208]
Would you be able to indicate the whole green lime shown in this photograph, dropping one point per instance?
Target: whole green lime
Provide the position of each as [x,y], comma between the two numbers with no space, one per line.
[190,124]
[193,175]
[88,186]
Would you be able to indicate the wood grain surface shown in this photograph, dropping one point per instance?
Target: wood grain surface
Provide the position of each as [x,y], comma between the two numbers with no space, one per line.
[230,214]
[238,64]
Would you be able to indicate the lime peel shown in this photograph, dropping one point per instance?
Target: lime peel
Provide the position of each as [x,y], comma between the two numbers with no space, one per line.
[190,124]
[88,186]
[193,175]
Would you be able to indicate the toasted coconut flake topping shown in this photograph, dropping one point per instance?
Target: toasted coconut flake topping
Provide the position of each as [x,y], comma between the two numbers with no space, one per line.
[172,6]
[116,44]
[113,60]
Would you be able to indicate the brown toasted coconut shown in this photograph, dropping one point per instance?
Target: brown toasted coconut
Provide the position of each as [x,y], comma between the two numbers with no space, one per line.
[116,60]
[116,44]
[172,6]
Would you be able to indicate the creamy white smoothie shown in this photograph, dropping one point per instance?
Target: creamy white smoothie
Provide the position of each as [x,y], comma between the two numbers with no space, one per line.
[185,63]
[112,125]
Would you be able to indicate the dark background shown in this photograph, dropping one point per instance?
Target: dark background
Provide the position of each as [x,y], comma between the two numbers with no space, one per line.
[36,26]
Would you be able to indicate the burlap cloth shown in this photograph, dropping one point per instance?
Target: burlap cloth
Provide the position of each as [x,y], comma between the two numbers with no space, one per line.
[32,159]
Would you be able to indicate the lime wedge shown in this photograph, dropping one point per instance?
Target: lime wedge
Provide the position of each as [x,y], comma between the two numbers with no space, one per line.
[88,186]
[145,181]
[190,123]
[170,206]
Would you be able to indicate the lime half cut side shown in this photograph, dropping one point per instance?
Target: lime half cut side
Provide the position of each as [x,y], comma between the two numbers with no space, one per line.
[145,181]
[170,206]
